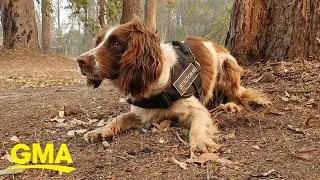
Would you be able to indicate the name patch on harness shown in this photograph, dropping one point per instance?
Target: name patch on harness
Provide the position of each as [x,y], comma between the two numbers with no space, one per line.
[186,79]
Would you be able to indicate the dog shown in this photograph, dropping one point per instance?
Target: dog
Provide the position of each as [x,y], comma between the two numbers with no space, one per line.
[132,57]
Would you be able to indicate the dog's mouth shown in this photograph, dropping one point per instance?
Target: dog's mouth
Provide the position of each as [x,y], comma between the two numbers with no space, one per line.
[94,82]
[94,77]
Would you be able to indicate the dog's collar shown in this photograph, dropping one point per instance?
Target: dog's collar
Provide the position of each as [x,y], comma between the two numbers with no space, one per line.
[185,81]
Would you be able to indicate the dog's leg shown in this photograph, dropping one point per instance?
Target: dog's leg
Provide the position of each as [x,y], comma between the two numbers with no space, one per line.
[230,106]
[254,97]
[202,131]
[119,124]
[230,85]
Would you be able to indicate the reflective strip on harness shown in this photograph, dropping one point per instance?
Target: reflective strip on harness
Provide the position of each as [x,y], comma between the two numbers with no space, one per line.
[186,79]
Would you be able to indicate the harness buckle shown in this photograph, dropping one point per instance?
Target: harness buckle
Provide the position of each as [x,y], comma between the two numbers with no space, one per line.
[197,64]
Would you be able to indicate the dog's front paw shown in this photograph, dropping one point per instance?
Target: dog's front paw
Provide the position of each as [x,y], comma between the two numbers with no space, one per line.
[230,106]
[100,134]
[203,144]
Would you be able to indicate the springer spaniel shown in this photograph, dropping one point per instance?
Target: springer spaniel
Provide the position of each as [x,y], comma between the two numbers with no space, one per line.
[133,59]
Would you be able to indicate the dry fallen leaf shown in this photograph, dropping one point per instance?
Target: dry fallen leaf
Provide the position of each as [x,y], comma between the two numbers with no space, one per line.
[161,141]
[285,99]
[204,157]
[93,120]
[231,135]
[51,131]
[266,174]
[73,132]
[183,165]
[15,139]
[11,171]
[289,98]
[144,130]
[106,143]
[295,129]
[79,122]
[294,98]
[57,119]
[229,163]
[303,156]
[163,126]
[8,157]
[60,120]
[64,125]
[100,123]
[61,114]
[256,146]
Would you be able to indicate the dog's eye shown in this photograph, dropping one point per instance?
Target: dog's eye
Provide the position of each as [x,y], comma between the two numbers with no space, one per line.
[117,47]
[115,44]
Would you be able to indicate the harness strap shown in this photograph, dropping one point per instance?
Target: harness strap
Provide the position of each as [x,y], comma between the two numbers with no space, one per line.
[159,101]
[165,99]
[197,84]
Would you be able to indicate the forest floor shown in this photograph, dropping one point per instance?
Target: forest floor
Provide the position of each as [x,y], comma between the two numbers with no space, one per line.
[280,142]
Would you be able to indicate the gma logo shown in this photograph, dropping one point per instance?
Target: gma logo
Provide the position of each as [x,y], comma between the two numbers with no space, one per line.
[46,157]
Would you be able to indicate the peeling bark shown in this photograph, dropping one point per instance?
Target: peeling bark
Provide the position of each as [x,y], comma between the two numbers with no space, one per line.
[19,24]
[274,30]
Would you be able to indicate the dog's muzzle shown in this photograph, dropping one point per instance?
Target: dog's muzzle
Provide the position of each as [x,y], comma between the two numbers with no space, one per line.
[87,65]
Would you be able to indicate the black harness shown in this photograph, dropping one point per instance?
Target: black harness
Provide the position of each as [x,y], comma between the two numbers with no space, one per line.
[185,81]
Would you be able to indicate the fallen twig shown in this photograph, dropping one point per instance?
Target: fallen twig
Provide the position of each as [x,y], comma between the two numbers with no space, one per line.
[304,150]
[181,140]
[291,91]
[264,139]
[296,130]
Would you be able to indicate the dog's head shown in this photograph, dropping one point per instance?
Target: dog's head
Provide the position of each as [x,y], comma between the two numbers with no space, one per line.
[129,53]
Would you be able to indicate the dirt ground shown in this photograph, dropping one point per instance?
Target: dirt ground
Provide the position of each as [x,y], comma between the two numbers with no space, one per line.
[280,142]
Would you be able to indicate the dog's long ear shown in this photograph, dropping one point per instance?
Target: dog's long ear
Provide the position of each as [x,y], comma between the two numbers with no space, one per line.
[141,64]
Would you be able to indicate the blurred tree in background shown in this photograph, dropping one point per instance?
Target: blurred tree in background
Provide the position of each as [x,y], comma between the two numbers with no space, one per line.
[75,23]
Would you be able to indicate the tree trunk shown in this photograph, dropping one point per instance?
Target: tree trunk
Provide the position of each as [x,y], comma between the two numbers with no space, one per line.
[46,23]
[59,21]
[130,9]
[87,27]
[274,30]
[102,21]
[19,24]
[150,18]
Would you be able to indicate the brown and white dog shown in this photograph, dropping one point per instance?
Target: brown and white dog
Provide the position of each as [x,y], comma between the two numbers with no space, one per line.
[133,59]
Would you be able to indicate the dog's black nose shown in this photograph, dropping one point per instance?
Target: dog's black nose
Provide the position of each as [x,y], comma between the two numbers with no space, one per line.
[83,60]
